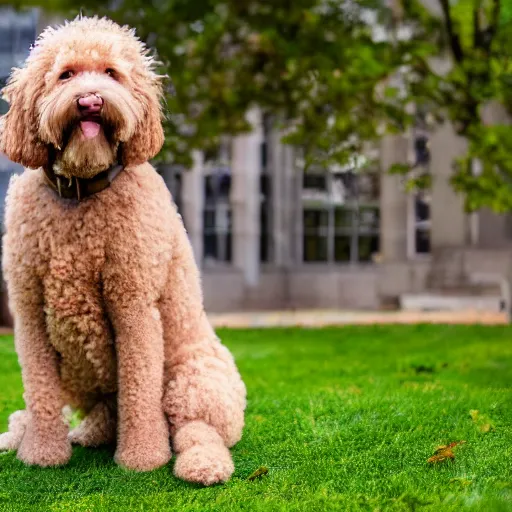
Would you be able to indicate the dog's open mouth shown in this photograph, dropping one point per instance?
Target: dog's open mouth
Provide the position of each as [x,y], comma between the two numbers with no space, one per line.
[90,126]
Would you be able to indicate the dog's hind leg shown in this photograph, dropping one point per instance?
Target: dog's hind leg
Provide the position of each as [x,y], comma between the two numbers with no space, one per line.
[204,396]
[11,439]
[97,428]
[204,402]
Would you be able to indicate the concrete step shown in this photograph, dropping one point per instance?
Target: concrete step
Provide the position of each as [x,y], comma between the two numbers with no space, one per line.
[468,290]
[444,301]
[447,269]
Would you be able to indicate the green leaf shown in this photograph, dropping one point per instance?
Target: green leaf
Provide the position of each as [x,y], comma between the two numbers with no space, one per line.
[258,473]
[399,168]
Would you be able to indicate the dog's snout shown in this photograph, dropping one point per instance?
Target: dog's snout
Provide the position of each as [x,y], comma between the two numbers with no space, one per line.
[90,103]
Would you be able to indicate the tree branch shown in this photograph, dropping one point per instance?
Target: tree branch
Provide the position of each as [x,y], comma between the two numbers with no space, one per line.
[477,30]
[495,16]
[495,20]
[453,37]
[484,36]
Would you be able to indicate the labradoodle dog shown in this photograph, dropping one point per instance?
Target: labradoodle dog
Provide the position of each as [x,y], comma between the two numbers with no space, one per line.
[101,277]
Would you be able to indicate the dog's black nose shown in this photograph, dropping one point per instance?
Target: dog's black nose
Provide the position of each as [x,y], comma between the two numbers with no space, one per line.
[90,103]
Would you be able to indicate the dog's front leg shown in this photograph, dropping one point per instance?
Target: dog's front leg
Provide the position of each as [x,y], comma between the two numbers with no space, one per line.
[45,440]
[143,435]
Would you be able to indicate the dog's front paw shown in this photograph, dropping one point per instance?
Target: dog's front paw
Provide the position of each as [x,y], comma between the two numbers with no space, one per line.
[52,449]
[144,456]
[204,464]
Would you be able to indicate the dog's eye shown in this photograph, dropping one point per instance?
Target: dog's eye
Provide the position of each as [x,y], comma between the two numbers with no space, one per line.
[66,75]
[110,72]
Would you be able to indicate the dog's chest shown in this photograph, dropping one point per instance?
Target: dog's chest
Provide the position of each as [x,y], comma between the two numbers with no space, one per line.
[77,322]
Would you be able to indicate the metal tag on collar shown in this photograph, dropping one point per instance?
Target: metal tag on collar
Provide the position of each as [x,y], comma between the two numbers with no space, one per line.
[59,189]
[113,172]
[78,190]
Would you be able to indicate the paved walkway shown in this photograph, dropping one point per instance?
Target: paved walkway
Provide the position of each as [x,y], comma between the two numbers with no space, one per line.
[312,318]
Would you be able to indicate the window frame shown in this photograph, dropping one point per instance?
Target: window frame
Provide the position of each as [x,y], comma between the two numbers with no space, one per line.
[220,160]
[353,204]
[420,156]
[17,26]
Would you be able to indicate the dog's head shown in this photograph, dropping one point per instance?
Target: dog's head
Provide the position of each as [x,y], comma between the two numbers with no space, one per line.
[87,93]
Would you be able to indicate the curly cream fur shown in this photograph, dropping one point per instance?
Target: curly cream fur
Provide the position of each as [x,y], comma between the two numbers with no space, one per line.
[105,293]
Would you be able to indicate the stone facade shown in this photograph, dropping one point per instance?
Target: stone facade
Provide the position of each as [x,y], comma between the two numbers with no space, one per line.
[462,246]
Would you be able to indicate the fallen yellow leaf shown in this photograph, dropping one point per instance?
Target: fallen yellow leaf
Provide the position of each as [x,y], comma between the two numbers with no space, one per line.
[444,453]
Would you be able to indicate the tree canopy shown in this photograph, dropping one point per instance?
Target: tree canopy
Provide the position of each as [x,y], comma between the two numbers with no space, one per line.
[310,64]
[335,73]
[475,39]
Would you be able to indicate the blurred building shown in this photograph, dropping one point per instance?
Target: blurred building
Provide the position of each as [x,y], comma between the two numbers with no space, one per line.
[269,236]
[17,33]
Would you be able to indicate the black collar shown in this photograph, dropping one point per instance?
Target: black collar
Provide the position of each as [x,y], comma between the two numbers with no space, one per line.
[80,188]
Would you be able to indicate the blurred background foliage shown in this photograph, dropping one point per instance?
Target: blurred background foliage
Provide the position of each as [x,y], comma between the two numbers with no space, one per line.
[333,74]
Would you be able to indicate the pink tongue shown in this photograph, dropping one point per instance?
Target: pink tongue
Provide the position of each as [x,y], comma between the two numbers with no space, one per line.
[90,129]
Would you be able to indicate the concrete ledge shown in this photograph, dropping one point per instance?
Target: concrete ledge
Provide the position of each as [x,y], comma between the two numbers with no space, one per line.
[338,318]
[443,302]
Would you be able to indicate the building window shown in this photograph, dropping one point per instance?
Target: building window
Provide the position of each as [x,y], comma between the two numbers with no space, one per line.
[265,219]
[422,222]
[420,204]
[266,238]
[4,106]
[17,33]
[172,175]
[217,213]
[341,217]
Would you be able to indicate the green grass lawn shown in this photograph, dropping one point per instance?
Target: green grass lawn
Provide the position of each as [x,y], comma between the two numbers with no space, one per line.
[344,419]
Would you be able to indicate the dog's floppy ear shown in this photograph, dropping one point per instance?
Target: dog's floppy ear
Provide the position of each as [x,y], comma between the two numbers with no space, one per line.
[148,137]
[19,139]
